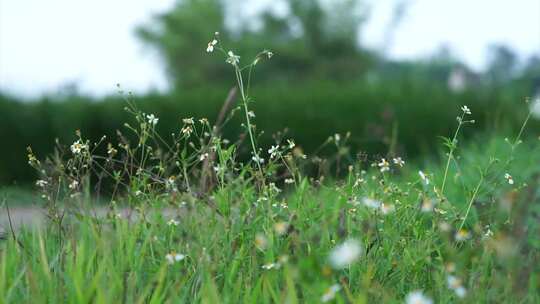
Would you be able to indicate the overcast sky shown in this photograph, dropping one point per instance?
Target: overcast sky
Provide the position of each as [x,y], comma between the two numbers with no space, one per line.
[45,44]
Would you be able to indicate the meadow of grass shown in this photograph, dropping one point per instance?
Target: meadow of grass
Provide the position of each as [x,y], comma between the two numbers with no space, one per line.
[205,227]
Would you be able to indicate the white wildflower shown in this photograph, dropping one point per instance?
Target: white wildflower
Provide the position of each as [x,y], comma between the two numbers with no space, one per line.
[358,182]
[398,161]
[535,108]
[174,257]
[270,266]
[384,165]
[188,121]
[289,181]
[187,130]
[454,283]
[281,227]
[509,178]
[424,177]
[417,297]
[258,159]
[488,233]
[203,156]
[291,143]
[42,183]
[232,59]
[427,205]
[261,242]
[173,222]
[78,147]
[466,110]
[345,254]
[330,293]
[462,235]
[210,47]
[387,208]
[371,203]
[273,151]
[73,185]
[152,119]
[251,114]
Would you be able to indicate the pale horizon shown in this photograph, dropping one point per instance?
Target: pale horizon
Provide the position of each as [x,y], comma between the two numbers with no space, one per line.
[45,45]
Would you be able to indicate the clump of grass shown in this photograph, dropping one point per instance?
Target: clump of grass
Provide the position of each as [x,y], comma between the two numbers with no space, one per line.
[188,222]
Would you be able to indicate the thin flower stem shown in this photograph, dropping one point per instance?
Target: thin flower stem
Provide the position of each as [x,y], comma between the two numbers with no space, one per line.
[451,154]
[246,112]
[472,200]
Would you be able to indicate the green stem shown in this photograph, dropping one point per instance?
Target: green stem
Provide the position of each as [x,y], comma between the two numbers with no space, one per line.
[471,201]
[246,110]
[451,153]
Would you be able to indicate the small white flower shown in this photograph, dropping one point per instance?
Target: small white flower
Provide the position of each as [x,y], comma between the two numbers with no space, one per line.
[258,159]
[289,181]
[371,203]
[358,182]
[78,147]
[466,110]
[261,242]
[41,183]
[233,59]
[424,177]
[251,114]
[203,156]
[188,121]
[174,257]
[330,293]
[291,143]
[152,119]
[535,108]
[488,233]
[455,284]
[387,208]
[427,205]
[384,165]
[281,227]
[509,178]
[187,130]
[210,47]
[462,235]
[417,297]
[73,185]
[173,222]
[398,161]
[461,292]
[345,254]
[270,266]
[273,151]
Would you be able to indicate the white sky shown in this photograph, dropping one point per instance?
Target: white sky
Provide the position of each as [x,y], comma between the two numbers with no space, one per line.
[45,44]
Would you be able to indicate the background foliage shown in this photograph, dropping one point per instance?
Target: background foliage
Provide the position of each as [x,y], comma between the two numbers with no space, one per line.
[320,81]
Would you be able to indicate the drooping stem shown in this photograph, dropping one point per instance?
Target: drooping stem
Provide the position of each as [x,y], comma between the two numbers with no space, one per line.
[248,121]
[472,200]
[451,154]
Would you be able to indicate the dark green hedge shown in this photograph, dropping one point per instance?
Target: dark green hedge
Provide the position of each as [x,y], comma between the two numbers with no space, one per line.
[311,112]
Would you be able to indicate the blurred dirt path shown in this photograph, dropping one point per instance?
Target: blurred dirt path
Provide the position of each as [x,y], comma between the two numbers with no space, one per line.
[32,216]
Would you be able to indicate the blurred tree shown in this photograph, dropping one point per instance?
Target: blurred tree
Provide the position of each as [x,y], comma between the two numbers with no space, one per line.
[181,36]
[502,66]
[313,39]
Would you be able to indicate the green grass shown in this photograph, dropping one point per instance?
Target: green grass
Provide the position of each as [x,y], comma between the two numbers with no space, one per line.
[113,260]
[337,226]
